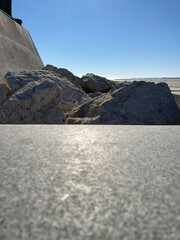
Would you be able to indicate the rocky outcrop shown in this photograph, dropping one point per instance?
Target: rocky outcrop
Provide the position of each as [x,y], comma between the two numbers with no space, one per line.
[36,102]
[135,103]
[4,93]
[91,83]
[71,95]
[48,97]
[64,73]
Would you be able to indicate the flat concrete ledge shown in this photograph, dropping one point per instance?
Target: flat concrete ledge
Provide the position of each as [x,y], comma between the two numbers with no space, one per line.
[89,182]
[18,51]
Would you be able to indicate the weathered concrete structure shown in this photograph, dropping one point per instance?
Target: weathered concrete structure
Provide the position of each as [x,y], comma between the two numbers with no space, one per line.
[17,50]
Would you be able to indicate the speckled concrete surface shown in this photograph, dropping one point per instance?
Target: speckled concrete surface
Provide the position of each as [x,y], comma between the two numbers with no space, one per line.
[89,182]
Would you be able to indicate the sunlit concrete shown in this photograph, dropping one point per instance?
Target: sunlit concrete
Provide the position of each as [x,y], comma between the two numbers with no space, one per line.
[17,50]
[89,182]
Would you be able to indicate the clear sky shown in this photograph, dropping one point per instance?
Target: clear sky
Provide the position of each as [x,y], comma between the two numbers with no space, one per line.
[112,38]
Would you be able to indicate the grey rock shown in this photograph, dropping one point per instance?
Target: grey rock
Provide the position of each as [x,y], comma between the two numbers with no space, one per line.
[177,99]
[136,103]
[4,93]
[16,80]
[64,73]
[71,95]
[36,102]
[84,120]
[119,85]
[91,83]
[95,94]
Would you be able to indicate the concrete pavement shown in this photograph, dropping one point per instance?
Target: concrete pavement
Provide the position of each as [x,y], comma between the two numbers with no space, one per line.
[89,182]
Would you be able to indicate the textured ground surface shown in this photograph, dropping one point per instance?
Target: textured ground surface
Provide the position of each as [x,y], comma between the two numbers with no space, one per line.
[89,182]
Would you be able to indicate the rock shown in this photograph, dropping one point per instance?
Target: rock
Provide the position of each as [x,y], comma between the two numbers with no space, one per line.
[50,68]
[91,83]
[36,102]
[71,97]
[4,93]
[177,99]
[85,120]
[64,73]
[95,94]
[119,85]
[16,80]
[135,103]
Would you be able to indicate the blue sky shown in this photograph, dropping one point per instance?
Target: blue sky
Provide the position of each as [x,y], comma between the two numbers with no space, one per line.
[112,38]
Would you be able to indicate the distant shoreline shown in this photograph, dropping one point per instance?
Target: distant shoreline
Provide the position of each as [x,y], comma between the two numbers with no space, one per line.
[148,79]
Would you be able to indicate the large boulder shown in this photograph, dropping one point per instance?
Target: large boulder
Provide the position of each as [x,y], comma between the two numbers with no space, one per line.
[91,83]
[4,93]
[36,102]
[135,103]
[71,95]
[64,73]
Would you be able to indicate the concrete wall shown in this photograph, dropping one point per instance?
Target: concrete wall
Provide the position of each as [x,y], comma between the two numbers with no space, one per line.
[17,50]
